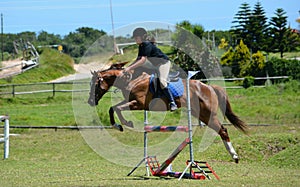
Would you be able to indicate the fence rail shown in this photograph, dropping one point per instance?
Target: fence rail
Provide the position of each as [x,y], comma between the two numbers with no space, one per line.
[10,89]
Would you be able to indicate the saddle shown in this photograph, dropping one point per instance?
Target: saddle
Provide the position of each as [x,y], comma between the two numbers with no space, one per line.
[175,85]
[173,76]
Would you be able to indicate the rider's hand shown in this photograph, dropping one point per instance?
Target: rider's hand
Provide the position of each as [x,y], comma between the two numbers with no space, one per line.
[126,70]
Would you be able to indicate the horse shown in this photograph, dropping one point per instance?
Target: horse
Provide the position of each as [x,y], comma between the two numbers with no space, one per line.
[205,101]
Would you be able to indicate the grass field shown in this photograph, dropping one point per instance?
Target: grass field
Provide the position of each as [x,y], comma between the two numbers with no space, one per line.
[62,158]
[270,155]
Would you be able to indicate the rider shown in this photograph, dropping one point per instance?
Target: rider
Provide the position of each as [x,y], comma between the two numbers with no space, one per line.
[148,51]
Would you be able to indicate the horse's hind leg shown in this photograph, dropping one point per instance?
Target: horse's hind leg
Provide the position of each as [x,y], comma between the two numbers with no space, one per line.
[215,124]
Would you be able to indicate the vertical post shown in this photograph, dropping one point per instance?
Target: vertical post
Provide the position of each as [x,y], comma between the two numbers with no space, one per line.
[113,28]
[2,37]
[53,89]
[189,118]
[188,100]
[13,90]
[6,138]
[144,160]
[146,142]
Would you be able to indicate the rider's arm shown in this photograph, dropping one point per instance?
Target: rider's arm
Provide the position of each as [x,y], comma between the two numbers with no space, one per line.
[136,64]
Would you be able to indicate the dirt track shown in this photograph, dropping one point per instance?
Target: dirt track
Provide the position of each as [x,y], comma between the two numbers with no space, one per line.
[82,71]
[15,69]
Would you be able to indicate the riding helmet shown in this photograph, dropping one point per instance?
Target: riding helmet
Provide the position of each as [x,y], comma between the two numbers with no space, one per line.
[139,32]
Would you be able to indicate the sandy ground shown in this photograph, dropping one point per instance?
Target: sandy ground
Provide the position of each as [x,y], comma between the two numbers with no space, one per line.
[83,71]
[7,72]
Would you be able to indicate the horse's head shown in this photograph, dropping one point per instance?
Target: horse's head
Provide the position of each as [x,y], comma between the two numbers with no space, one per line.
[102,81]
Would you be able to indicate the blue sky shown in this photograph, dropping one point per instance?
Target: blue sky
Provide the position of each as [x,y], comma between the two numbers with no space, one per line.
[64,16]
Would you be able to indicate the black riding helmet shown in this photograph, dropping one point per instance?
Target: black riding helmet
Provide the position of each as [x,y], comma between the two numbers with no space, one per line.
[139,32]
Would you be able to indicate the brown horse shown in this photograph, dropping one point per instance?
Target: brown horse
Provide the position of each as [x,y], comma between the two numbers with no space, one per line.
[205,101]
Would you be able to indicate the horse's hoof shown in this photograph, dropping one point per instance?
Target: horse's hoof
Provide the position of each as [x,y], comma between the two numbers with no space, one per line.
[236,159]
[129,124]
[119,127]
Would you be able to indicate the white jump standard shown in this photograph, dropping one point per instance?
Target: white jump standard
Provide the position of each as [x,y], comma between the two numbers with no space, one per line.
[5,139]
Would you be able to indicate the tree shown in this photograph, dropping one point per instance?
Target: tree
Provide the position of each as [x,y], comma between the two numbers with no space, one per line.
[27,36]
[241,60]
[240,30]
[222,35]
[76,43]
[45,38]
[251,26]
[293,39]
[238,59]
[258,29]
[256,66]
[278,32]
[223,44]
[192,53]
[227,57]
[196,29]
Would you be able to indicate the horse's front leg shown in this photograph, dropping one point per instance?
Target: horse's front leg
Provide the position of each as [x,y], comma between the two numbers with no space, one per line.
[124,105]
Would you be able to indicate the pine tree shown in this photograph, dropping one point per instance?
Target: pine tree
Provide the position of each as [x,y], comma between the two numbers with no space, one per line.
[240,29]
[251,26]
[278,32]
[257,29]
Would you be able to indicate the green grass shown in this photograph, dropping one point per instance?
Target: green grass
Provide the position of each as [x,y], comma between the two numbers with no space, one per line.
[277,104]
[270,155]
[62,158]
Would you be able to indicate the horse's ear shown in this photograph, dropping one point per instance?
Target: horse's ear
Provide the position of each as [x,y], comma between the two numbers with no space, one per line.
[93,72]
[118,65]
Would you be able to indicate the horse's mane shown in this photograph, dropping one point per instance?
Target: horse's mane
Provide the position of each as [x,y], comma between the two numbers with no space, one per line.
[112,67]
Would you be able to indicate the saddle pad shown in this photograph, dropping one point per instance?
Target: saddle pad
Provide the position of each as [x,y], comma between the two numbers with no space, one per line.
[176,88]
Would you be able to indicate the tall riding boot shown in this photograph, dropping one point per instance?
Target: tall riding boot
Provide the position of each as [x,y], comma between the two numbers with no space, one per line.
[169,95]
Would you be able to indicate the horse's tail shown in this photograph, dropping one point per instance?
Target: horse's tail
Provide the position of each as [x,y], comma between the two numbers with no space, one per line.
[227,110]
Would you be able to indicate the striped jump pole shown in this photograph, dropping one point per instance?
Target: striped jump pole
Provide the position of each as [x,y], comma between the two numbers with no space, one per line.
[5,139]
[166,128]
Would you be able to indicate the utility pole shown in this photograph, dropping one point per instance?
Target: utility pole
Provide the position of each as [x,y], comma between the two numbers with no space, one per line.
[2,40]
[113,28]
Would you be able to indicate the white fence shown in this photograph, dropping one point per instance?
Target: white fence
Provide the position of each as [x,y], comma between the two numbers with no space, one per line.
[5,138]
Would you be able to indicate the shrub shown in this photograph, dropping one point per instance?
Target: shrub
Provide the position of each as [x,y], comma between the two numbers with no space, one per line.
[282,67]
[248,82]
